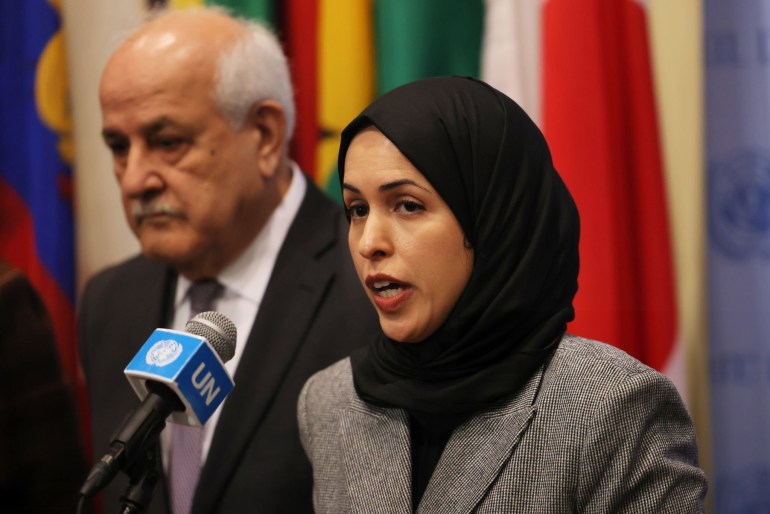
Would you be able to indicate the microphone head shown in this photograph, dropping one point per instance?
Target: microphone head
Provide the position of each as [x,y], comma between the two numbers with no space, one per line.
[217,329]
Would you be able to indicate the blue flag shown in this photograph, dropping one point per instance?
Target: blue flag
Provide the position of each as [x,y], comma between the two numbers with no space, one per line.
[36,215]
[737,44]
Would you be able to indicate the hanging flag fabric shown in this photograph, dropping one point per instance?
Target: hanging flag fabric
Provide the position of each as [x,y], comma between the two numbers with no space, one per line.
[511,53]
[36,215]
[254,9]
[345,78]
[426,38]
[363,48]
[737,46]
[300,36]
[599,117]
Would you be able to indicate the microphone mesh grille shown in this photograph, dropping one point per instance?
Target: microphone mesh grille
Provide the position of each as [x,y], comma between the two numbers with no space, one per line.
[217,329]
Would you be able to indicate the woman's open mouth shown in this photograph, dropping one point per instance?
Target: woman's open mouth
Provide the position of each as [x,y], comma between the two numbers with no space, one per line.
[389,294]
[387,289]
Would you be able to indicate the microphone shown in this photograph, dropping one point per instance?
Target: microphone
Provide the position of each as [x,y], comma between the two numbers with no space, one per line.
[177,374]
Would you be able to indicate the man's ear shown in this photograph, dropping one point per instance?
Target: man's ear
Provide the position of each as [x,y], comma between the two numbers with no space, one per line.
[268,118]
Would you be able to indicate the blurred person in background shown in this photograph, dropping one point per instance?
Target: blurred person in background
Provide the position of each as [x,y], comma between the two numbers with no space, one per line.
[42,462]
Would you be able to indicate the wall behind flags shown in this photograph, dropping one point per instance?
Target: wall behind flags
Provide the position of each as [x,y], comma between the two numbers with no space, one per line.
[345,52]
[93,29]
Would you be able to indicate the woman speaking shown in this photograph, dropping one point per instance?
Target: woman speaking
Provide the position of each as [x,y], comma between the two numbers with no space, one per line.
[472,398]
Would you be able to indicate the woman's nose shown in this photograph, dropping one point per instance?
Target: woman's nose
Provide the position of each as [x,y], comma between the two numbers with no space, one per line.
[375,241]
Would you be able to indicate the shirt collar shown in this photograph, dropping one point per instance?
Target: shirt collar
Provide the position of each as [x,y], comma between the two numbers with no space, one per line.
[248,275]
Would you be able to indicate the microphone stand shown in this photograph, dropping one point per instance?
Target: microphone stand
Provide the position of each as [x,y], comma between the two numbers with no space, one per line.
[143,476]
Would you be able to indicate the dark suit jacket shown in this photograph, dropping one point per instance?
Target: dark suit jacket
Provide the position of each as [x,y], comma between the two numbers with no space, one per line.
[314,312]
[595,432]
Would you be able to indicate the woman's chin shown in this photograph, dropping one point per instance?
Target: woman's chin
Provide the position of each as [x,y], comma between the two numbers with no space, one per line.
[400,334]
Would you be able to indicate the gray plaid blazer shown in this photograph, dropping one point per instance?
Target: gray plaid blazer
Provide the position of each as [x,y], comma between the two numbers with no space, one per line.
[597,431]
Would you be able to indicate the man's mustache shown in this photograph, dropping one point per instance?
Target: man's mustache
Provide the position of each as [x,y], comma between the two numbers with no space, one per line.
[141,209]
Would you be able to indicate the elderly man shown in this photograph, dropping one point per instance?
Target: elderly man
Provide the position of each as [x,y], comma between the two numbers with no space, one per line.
[197,112]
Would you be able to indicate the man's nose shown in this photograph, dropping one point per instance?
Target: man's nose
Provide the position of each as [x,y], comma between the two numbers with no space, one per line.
[141,174]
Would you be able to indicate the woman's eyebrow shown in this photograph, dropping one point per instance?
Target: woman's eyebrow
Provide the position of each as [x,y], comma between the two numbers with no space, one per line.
[389,186]
[399,183]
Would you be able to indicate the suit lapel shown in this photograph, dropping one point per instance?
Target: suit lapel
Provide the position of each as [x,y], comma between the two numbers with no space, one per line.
[292,298]
[476,453]
[376,453]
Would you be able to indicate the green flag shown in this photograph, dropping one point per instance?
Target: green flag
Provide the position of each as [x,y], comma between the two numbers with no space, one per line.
[416,39]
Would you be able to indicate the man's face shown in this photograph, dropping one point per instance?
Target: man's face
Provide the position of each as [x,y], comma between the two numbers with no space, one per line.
[190,183]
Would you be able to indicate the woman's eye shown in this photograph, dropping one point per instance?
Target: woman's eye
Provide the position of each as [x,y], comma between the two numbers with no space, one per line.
[357,211]
[410,206]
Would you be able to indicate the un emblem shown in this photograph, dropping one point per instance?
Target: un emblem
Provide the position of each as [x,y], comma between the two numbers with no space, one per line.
[163,353]
[739,205]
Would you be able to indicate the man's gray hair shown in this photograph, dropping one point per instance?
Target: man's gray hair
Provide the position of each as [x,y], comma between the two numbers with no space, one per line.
[254,69]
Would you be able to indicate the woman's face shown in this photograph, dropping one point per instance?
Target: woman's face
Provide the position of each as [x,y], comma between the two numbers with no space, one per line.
[407,245]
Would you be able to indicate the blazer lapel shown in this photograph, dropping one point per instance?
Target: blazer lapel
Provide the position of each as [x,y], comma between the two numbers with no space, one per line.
[476,452]
[291,300]
[377,457]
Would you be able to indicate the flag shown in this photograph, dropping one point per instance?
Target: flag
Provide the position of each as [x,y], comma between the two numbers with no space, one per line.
[300,34]
[599,117]
[354,50]
[511,51]
[345,78]
[737,52]
[36,214]
[426,38]
[255,9]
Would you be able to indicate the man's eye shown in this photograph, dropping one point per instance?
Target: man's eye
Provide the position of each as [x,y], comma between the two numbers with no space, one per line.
[168,143]
[118,147]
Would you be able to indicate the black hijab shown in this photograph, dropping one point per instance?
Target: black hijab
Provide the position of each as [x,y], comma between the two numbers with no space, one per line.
[491,165]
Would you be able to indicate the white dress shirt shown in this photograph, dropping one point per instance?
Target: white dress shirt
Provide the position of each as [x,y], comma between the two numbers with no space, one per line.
[245,282]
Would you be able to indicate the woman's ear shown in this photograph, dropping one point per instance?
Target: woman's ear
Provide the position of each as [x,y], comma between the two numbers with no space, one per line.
[269,120]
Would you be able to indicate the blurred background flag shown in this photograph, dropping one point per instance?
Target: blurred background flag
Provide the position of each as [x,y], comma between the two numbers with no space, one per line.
[345,79]
[511,51]
[737,44]
[264,10]
[600,119]
[36,213]
[415,40]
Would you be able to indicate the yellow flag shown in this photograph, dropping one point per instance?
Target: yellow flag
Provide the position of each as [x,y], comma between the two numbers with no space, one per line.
[345,76]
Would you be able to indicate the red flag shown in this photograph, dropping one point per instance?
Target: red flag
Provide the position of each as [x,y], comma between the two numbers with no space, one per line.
[301,36]
[600,120]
